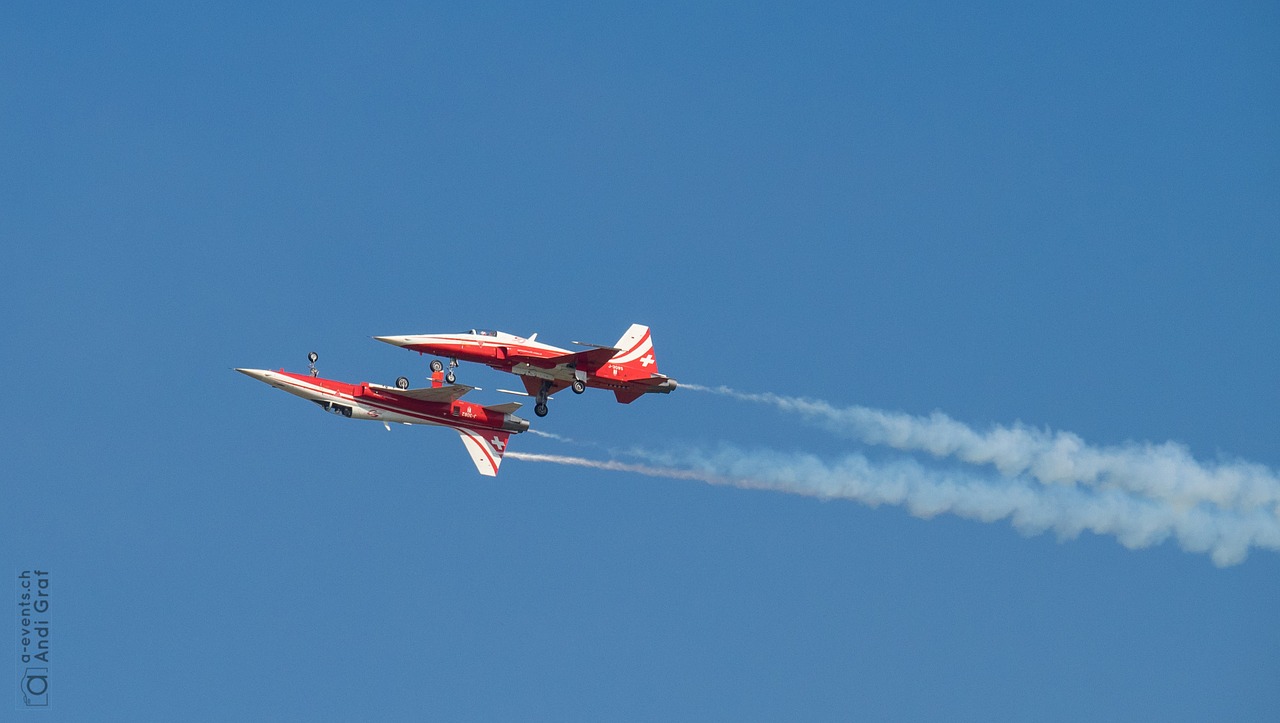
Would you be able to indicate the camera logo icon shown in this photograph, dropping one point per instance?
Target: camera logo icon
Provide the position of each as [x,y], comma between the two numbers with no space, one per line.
[35,687]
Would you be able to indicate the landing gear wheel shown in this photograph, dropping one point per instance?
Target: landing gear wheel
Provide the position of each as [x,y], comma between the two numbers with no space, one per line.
[540,408]
[402,382]
[312,356]
[450,377]
[437,365]
[578,386]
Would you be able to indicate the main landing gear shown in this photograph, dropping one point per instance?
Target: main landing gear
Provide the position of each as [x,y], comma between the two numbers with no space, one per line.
[540,408]
[311,364]
[437,366]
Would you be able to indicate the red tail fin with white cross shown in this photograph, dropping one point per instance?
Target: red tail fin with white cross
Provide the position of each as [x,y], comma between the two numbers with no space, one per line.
[636,359]
[485,448]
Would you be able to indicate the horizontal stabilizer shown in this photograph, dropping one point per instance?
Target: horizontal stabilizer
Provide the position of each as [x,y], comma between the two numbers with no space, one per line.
[658,384]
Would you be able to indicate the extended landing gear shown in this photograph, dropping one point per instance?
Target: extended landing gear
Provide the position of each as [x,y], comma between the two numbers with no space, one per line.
[540,408]
[578,386]
[311,363]
[438,366]
[402,382]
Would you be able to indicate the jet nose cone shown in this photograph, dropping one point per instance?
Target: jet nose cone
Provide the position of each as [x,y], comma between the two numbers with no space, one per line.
[396,340]
[260,374]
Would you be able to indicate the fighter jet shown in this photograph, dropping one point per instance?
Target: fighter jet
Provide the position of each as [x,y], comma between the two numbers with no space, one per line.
[628,368]
[484,430]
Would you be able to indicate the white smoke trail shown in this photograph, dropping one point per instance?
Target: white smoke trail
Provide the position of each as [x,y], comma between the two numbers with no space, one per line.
[573,441]
[550,435]
[615,466]
[1136,521]
[1166,472]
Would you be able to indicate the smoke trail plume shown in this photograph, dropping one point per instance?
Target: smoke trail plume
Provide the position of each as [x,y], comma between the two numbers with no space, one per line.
[570,440]
[1165,472]
[1136,521]
[1142,494]
[549,435]
[615,466]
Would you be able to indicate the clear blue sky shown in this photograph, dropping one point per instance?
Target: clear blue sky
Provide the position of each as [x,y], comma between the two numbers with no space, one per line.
[1063,216]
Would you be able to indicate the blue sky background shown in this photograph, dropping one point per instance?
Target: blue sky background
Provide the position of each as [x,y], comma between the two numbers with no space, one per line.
[1060,215]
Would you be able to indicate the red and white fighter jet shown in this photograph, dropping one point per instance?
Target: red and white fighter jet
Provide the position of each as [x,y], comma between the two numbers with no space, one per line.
[629,367]
[484,430]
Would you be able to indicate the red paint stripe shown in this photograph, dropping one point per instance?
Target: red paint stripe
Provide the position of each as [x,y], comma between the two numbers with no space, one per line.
[484,447]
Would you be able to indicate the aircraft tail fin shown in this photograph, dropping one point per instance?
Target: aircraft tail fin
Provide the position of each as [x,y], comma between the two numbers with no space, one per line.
[636,359]
[485,448]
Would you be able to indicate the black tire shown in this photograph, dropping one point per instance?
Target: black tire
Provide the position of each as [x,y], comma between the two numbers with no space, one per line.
[437,365]
[346,412]
[578,386]
[450,377]
[402,382]
[540,409]
[312,356]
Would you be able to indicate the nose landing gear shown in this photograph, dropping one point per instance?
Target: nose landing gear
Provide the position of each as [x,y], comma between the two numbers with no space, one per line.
[437,366]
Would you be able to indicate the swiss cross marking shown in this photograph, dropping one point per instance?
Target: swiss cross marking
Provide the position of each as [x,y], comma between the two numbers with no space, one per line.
[646,361]
[498,444]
